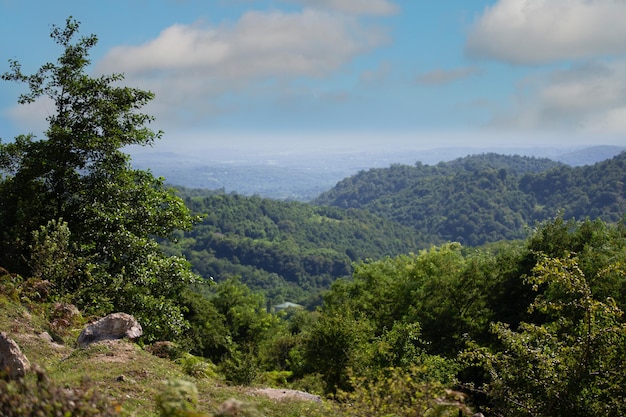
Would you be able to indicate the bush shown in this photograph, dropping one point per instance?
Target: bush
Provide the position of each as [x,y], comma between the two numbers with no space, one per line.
[39,396]
[196,367]
[396,392]
[241,368]
[178,399]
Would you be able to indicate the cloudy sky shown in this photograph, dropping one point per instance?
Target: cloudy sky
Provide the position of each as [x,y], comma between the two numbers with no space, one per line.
[306,73]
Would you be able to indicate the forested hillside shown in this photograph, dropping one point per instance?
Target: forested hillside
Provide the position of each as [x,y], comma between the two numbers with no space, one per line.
[529,327]
[484,198]
[289,250]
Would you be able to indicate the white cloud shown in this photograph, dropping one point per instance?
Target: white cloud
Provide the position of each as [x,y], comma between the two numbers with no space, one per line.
[587,97]
[538,31]
[370,7]
[442,76]
[31,118]
[310,43]
[189,66]
[612,121]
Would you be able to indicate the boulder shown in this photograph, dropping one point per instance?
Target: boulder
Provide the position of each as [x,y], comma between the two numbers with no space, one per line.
[113,326]
[12,360]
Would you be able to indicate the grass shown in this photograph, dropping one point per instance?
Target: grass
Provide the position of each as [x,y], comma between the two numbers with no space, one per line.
[133,379]
[124,372]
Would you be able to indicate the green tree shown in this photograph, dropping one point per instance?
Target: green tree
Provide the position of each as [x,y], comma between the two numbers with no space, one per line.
[573,363]
[335,345]
[79,176]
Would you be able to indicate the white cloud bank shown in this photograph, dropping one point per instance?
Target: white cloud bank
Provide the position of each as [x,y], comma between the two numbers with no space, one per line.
[190,66]
[539,31]
[589,97]
[311,43]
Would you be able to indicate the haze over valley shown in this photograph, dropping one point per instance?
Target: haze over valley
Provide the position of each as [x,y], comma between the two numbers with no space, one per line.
[302,174]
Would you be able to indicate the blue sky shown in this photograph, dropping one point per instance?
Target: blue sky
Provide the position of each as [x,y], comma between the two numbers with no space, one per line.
[345,73]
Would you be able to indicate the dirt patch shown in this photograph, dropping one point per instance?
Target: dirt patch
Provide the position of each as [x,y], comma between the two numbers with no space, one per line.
[287,394]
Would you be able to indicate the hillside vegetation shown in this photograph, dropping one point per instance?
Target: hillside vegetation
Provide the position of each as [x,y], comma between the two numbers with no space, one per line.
[484,198]
[527,327]
[289,250]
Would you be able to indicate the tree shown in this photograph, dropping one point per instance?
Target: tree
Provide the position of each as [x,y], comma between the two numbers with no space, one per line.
[79,176]
[573,363]
[335,345]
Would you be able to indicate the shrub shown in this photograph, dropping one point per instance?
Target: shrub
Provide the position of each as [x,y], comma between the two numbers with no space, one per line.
[196,367]
[241,368]
[39,396]
[396,392]
[178,399]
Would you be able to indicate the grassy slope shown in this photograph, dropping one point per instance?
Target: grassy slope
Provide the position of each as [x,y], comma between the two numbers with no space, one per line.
[123,371]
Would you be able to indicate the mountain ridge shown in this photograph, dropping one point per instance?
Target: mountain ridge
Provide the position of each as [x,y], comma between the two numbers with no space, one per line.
[303,175]
[478,199]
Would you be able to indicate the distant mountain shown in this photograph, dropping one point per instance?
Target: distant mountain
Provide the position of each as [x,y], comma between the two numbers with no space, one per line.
[590,155]
[302,175]
[484,198]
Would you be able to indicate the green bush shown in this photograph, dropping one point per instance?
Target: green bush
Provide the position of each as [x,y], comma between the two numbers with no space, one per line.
[396,392]
[178,399]
[39,396]
[197,367]
[240,368]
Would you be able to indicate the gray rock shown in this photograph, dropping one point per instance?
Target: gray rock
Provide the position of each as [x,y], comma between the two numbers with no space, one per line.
[46,336]
[113,326]
[12,360]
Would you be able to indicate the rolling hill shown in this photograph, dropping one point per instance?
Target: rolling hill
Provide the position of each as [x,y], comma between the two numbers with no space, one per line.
[484,198]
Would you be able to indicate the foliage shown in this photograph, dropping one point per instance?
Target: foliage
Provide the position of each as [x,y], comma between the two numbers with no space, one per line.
[422,309]
[207,335]
[51,257]
[178,399]
[288,250]
[75,210]
[41,396]
[334,345]
[230,323]
[196,367]
[438,294]
[398,392]
[484,198]
[241,366]
[573,363]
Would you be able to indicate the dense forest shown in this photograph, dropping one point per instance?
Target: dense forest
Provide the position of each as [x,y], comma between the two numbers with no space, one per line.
[484,198]
[288,250]
[291,250]
[532,326]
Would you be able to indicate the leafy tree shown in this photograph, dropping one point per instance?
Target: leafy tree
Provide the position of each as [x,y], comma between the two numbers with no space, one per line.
[573,364]
[335,345]
[440,290]
[244,312]
[78,176]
